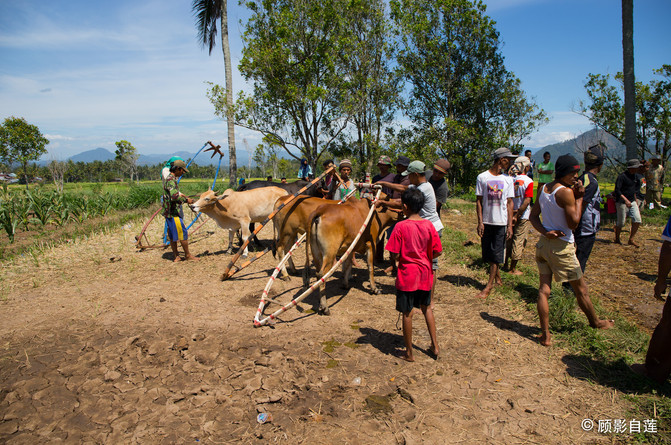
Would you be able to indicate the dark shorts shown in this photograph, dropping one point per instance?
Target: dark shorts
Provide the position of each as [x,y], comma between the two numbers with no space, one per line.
[406,301]
[176,229]
[494,244]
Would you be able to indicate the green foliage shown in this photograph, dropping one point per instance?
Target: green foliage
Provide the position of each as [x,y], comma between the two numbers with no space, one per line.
[463,103]
[127,156]
[21,142]
[292,55]
[653,110]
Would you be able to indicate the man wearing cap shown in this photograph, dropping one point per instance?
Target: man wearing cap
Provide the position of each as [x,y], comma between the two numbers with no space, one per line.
[524,193]
[654,178]
[417,178]
[172,210]
[384,164]
[590,219]
[402,163]
[627,185]
[494,206]
[560,204]
[436,178]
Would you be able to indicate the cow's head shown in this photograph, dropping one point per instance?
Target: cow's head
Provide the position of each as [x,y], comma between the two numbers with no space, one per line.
[208,200]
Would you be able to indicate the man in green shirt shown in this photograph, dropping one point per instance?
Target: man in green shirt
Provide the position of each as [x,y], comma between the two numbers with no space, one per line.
[172,205]
[546,170]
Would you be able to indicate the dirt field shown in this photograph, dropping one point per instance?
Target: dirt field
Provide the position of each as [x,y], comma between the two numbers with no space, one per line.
[104,344]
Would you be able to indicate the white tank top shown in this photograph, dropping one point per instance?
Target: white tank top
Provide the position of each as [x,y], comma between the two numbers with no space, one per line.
[554,217]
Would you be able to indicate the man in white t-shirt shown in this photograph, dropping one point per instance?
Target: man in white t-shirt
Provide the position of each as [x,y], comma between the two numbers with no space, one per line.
[524,193]
[494,206]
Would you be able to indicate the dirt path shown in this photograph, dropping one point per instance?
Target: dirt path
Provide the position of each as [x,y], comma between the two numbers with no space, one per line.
[141,350]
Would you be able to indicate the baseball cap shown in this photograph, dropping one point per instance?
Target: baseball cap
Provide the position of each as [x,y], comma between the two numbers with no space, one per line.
[385,160]
[415,167]
[503,152]
[442,165]
[181,164]
[403,160]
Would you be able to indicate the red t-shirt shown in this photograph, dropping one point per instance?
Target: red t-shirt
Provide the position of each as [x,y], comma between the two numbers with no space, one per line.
[415,242]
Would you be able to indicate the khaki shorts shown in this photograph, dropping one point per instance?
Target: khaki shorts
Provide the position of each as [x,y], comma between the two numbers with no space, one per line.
[557,257]
[623,212]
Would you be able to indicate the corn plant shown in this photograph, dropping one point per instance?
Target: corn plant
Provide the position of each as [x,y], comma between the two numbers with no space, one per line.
[8,218]
[41,206]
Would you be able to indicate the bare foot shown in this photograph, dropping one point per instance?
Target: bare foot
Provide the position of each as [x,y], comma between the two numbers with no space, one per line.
[617,241]
[634,243]
[408,358]
[389,270]
[516,272]
[435,352]
[604,324]
[177,259]
[484,293]
[499,281]
[545,340]
[192,258]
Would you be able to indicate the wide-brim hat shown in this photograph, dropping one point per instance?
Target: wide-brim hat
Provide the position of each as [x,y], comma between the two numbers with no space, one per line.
[633,163]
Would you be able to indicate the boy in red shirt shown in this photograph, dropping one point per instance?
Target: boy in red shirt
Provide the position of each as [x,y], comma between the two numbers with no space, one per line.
[413,244]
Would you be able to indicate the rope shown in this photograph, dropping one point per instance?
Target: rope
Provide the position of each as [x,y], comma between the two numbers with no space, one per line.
[272,317]
[228,273]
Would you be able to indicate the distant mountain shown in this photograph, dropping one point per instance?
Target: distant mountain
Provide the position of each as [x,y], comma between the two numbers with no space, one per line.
[97,154]
[102,155]
[577,145]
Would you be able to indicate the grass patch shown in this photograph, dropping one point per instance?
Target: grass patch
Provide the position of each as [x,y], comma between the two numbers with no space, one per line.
[595,355]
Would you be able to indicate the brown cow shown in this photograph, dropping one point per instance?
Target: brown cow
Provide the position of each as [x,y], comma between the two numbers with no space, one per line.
[291,222]
[235,210]
[333,228]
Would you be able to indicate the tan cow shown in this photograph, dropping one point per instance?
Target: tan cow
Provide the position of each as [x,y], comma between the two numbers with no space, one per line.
[235,210]
[291,222]
[333,228]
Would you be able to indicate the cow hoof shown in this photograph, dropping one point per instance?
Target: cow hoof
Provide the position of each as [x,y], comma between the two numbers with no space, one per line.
[325,311]
[287,278]
[376,291]
[244,255]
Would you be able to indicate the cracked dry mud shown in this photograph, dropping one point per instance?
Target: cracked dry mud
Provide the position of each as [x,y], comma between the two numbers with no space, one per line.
[141,350]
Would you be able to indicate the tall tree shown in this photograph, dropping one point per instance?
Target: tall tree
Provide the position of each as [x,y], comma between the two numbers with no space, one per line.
[127,157]
[208,13]
[374,84]
[629,79]
[21,142]
[463,103]
[300,100]
[606,110]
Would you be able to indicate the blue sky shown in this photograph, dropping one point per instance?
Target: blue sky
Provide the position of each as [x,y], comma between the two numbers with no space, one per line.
[92,73]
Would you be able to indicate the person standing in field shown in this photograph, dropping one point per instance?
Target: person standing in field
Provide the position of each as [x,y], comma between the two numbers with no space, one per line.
[527,153]
[654,180]
[546,170]
[328,183]
[414,245]
[657,364]
[560,204]
[590,220]
[524,192]
[627,186]
[305,170]
[347,185]
[494,193]
[172,210]
[436,178]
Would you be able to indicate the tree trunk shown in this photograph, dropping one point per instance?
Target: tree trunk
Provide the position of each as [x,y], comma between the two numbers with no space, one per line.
[232,160]
[629,87]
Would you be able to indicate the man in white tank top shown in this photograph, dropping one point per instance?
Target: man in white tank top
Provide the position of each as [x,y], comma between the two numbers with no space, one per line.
[561,204]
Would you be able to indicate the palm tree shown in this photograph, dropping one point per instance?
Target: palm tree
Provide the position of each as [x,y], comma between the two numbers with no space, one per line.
[629,81]
[207,13]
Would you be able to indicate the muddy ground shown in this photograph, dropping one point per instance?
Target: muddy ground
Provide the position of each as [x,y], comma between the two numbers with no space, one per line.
[101,343]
